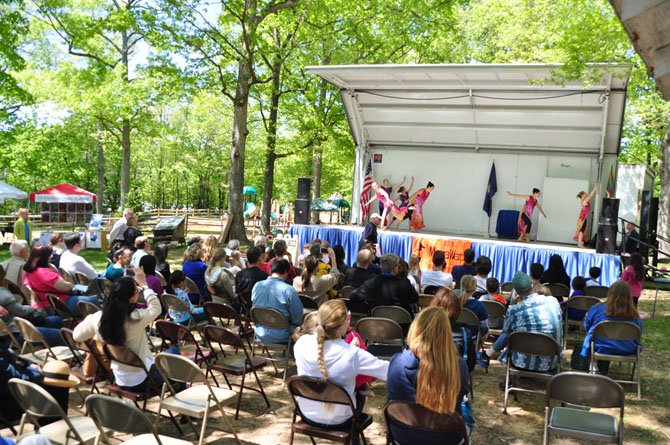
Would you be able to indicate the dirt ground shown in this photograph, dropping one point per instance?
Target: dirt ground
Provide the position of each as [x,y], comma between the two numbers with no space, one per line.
[646,421]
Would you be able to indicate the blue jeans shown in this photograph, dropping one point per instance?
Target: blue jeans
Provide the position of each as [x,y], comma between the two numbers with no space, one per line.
[501,342]
[72,301]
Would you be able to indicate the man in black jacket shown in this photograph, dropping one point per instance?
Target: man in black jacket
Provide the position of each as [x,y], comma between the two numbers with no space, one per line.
[387,289]
[360,273]
[249,276]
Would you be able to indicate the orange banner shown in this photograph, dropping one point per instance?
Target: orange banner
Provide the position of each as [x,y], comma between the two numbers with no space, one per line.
[453,251]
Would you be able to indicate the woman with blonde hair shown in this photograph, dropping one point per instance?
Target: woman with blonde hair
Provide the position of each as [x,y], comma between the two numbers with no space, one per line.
[219,280]
[469,301]
[325,354]
[208,248]
[429,372]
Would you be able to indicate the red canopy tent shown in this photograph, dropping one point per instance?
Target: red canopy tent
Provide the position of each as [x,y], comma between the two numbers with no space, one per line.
[63,193]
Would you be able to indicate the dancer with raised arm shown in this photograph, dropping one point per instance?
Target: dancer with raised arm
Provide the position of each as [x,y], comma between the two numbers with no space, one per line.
[583,219]
[525,215]
[419,198]
[388,188]
[403,196]
[388,204]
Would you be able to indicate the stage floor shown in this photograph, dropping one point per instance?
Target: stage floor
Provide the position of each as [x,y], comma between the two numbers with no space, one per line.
[507,256]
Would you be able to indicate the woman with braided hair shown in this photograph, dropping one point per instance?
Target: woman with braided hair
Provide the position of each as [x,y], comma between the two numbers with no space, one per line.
[325,354]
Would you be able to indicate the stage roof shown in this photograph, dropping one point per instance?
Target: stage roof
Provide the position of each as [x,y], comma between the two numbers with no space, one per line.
[482,107]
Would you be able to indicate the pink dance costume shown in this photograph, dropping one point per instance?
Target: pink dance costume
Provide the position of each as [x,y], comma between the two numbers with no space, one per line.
[524,223]
[582,220]
[416,222]
[386,201]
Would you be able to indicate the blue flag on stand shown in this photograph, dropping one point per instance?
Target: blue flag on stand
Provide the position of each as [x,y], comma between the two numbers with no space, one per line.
[491,190]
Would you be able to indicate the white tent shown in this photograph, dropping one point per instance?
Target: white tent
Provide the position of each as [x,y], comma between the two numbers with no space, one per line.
[7,191]
[450,122]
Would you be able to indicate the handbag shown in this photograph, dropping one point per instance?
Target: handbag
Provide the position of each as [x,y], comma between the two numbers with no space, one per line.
[466,405]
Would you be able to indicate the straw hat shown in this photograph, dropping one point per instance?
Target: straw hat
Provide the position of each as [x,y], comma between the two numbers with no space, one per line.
[57,373]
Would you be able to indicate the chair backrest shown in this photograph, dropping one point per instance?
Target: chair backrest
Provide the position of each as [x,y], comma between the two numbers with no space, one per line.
[87,308]
[308,303]
[425,300]
[34,399]
[617,330]
[178,368]
[75,346]
[507,287]
[29,331]
[83,279]
[193,288]
[430,290]
[319,390]
[582,302]
[395,313]
[245,302]
[468,318]
[174,333]
[558,289]
[4,330]
[409,422]
[174,303]
[346,291]
[379,329]
[357,307]
[495,309]
[533,343]
[269,318]
[117,415]
[223,336]
[103,287]
[124,355]
[591,390]
[60,308]
[162,279]
[222,311]
[67,276]
[596,291]
[22,295]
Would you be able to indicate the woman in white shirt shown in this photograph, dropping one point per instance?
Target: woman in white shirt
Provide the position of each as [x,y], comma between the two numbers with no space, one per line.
[105,326]
[326,355]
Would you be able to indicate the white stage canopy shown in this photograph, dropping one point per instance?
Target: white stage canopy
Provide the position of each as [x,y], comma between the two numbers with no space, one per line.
[9,192]
[478,108]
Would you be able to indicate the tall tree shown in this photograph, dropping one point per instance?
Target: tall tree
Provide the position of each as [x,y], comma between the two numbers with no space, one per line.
[13,28]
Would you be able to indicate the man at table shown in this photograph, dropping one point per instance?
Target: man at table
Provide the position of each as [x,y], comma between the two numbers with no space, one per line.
[23,228]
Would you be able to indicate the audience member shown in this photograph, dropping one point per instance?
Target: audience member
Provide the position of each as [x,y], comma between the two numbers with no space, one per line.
[448,300]
[57,243]
[132,232]
[162,265]
[177,285]
[281,253]
[306,251]
[119,228]
[148,266]
[536,272]
[415,268]
[403,272]
[237,259]
[142,247]
[369,235]
[468,268]
[619,306]
[469,301]
[339,259]
[631,240]
[430,371]
[326,355]
[23,228]
[493,289]
[219,280]
[387,288]
[594,277]
[317,287]
[121,261]
[71,261]
[534,313]
[556,273]
[195,269]
[275,293]
[483,267]
[14,265]
[436,277]
[247,278]
[359,273]
[633,274]
[208,247]
[10,307]
[578,286]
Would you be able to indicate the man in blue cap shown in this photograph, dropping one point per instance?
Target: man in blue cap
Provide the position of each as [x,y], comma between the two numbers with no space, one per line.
[534,313]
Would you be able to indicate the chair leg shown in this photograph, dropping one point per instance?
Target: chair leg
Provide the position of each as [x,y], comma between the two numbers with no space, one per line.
[506,388]
[230,425]
[545,440]
[239,396]
[260,387]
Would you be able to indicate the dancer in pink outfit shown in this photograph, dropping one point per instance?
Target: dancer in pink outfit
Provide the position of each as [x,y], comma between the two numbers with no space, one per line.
[527,212]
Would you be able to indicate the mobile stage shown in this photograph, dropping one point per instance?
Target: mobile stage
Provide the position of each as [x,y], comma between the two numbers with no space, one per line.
[506,256]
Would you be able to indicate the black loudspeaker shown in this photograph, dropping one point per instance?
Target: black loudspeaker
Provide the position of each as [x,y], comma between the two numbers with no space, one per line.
[644,213]
[607,234]
[302,208]
[610,210]
[304,188]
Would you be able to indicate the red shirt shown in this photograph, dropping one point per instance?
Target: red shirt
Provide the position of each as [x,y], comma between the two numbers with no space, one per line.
[42,281]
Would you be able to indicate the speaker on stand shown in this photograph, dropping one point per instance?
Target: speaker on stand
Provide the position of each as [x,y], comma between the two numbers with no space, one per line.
[608,227]
[303,202]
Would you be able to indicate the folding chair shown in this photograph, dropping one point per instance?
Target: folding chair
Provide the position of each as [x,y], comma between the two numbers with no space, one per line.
[529,343]
[162,279]
[409,423]
[323,391]
[174,334]
[506,289]
[245,303]
[596,291]
[558,290]
[102,286]
[115,415]
[195,401]
[233,364]
[497,313]
[424,300]
[308,304]
[193,288]
[62,310]
[84,281]
[346,291]
[4,330]
[67,276]
[87,308]
[358,309]
[587,391]
[430,290]
[37,403]
[471,320]
[395,313]
[619,330]
[383,337]
[78,349]
[578,302]
[21,293]
[174,303]
[34,338]
[271,319]
[222,311]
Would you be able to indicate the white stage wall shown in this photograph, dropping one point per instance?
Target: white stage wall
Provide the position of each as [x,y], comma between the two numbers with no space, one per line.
[461,178]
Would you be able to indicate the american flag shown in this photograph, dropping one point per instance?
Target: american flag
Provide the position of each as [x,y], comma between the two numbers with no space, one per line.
[365,192]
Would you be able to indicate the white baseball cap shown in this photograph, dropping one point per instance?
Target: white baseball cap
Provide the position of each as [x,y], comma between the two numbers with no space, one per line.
[375,215]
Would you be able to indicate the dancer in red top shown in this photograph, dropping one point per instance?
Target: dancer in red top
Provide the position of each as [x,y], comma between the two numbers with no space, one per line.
[527,213]
[419,198]
[388,203]
[583,219]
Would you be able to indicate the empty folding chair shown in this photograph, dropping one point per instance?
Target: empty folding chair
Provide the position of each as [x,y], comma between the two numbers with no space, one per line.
[596,291]
[196,401]
[558,290]
[358,310]
[383,337]
[174,334]
[78,350]
[395,313]
[224,313]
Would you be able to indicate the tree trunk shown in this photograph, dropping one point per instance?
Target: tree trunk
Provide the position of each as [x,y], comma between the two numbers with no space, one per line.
[125,162]
[101,169]
[663,228]
[240,132]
